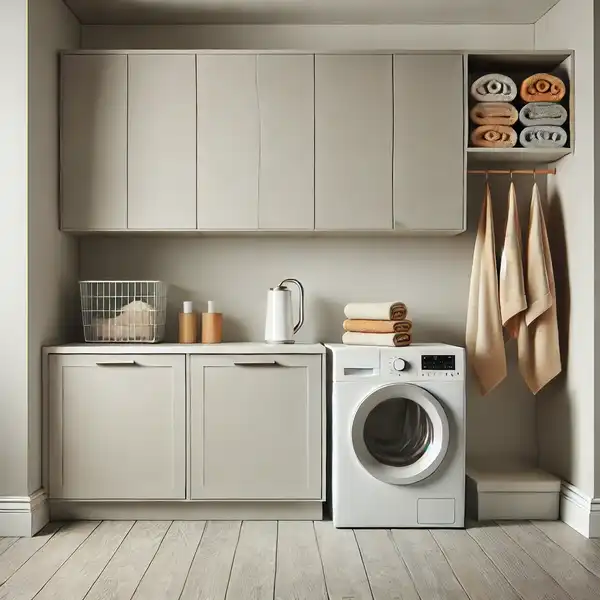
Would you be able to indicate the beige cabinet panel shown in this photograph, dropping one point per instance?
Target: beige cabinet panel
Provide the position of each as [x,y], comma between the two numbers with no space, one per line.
[256,427]
[94,142]
[117,427]
[287,152]
[353,142]
[228,142]
[428,143]
[162,142]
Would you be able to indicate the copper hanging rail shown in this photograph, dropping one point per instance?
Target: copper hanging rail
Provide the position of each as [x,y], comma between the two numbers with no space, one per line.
[512,172]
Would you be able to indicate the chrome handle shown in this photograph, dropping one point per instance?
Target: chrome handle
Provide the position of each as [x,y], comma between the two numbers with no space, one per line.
[262,363]
[117,363]
[300,302]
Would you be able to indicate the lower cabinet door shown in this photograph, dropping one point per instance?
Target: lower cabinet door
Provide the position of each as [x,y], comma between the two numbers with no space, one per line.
[256,429]
[117,427]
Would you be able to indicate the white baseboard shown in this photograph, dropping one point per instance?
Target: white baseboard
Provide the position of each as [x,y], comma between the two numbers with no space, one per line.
[23,516]
[580,511]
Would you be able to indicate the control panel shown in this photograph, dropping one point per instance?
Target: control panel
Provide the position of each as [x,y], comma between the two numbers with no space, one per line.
[439,366]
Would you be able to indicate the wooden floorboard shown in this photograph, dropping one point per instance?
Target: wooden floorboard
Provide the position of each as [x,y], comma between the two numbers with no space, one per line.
[584,550]
[126,568]
[6,543]
[75,578]
[36,572]
[477,574]
[345,574]
[166,575]
[21,551]
[387,573]
[210,571]
[298,560]
[253,571]
[529,580]
[575,579]
[427,565]
[299,573]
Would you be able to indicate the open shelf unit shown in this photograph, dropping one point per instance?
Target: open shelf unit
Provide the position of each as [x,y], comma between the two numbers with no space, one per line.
[519,66]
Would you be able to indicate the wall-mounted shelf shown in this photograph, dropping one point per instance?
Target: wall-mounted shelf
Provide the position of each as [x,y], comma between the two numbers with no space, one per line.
[529,156]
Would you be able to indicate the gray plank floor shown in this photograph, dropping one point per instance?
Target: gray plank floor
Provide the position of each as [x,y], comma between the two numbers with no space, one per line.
[269,560]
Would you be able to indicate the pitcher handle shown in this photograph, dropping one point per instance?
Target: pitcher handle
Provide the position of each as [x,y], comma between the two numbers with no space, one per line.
[300,303]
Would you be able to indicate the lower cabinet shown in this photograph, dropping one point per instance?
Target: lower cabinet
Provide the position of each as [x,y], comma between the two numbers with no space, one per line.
[256,427]
[117,427]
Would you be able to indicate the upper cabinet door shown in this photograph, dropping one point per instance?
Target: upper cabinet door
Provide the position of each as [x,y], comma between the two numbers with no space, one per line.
[353,142]
[94,142]
[228,142]
[287,138]
[162,142]
[428,135]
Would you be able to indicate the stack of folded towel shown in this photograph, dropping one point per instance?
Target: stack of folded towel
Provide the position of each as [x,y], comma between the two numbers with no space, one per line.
[377,324]
[493,114]
[543,116]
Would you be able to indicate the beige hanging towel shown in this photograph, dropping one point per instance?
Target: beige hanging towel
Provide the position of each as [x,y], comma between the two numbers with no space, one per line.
[485,343]
[512,285]
[539,349]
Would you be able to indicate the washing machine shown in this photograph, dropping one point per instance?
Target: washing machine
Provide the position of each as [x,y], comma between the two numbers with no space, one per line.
[397,436]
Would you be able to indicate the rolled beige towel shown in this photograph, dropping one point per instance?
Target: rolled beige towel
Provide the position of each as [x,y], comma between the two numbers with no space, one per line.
[494,87]
[353,338]
[494,113]
[368,326]
[376,311]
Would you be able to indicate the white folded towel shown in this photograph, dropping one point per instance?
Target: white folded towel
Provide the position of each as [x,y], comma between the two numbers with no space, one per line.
[376,311]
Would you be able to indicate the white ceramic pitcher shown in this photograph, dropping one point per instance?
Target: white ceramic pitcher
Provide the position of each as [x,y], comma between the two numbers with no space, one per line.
[279,327]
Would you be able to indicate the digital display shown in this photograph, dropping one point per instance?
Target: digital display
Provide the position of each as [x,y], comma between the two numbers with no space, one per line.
[438,362]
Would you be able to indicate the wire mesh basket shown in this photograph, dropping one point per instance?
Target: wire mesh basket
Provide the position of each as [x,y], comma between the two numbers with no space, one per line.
[123,311]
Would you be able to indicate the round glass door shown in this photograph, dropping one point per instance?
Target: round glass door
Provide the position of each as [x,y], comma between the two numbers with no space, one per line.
[400,433]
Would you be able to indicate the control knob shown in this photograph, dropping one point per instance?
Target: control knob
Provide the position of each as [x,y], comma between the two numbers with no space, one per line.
[399,364]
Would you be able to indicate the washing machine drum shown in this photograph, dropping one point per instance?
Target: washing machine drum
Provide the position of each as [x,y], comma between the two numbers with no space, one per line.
[400,433]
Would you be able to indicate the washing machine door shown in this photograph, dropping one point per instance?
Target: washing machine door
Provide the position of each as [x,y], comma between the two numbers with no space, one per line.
[400,433]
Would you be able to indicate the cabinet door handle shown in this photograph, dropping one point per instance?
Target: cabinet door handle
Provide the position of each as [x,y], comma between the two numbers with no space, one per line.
[117,363]
[262,363]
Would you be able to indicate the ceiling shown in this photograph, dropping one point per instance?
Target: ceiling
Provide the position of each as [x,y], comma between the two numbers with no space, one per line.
[308,11]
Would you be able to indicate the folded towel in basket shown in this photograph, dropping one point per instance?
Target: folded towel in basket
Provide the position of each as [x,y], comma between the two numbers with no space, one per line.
[136,322]
[377,311]
[370,326]
[376,339]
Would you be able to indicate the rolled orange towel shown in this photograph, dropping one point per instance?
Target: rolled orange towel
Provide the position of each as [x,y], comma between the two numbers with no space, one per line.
[543,87]
[368,326]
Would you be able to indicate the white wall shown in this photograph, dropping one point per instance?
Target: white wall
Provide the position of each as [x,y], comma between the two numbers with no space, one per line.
[52,256]
[566,416]
[13,247]
[311,37]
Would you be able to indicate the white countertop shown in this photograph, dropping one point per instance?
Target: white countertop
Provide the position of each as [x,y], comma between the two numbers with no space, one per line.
[224,348]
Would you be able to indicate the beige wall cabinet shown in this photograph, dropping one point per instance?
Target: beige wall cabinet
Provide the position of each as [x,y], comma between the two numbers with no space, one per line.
[252,142]
[256,427]
[429,143]
[94,142]
[353,142]
[255,142]
[117,427]
[161,142]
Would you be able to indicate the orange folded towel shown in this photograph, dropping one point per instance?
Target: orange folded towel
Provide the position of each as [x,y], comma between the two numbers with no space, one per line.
[368,326]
